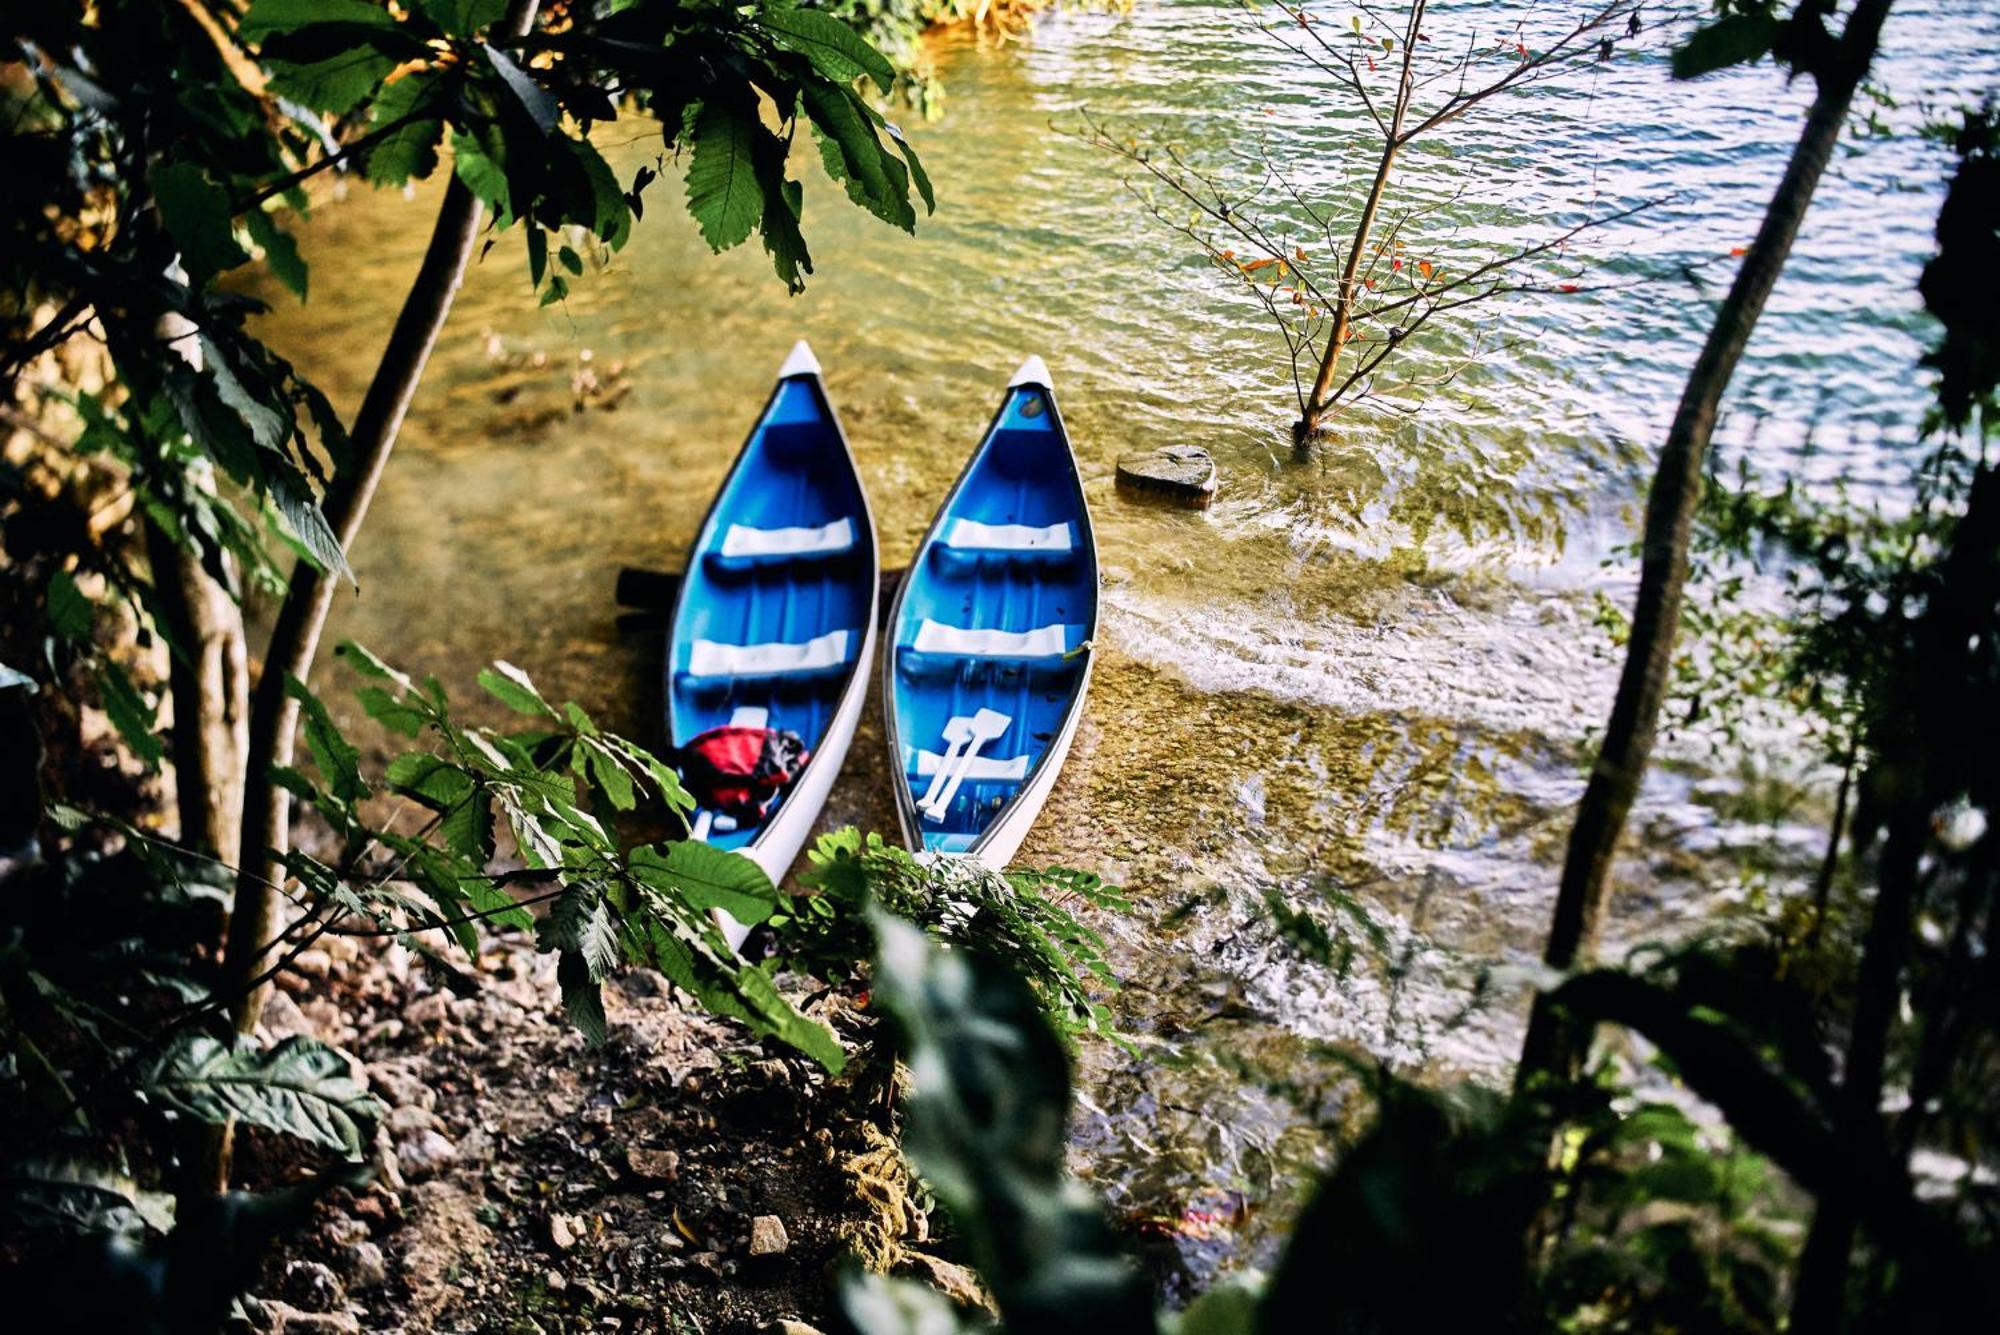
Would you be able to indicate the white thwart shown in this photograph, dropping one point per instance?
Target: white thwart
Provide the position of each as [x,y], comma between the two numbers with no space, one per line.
[971,534]
[749,716]
[709,659]
[934,637]
[825,540]
[982,769]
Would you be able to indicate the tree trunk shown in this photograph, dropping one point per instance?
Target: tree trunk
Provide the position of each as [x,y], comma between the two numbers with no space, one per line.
[1553,1046]
[209,681]
[267,808]
[1917,738]
[1318,403]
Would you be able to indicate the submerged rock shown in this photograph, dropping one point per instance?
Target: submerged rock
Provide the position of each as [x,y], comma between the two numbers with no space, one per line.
[1183,474]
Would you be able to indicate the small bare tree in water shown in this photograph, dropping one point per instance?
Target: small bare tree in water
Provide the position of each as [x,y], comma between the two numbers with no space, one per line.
[1342,282]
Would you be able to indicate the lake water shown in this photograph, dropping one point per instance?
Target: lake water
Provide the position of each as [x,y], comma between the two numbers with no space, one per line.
[1360,683]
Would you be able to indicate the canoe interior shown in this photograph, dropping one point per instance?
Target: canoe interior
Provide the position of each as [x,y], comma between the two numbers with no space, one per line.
[794,473]
[1024,476]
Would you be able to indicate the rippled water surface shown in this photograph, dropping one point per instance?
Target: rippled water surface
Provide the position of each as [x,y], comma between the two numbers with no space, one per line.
[1358,683]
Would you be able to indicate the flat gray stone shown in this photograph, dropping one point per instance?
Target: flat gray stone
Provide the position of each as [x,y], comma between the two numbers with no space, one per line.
[1183,474]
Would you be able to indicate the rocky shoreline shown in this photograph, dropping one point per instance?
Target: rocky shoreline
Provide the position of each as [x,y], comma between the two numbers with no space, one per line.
[682,1177]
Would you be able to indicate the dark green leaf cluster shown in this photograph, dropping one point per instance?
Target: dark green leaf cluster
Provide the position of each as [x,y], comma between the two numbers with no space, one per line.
[1021,918]
[532,810]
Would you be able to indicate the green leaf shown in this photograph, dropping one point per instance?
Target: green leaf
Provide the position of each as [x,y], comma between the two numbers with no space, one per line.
[836,50]
[528,95]
[989,1097]
[580,923]
[337,759]
[512,688]
[70,613]
[538,255]
[195,211]
[1734,39]
[570,260]
[281,251]
[880,1305]
[306,523]
[850,151]
[707,878]
[411,150]
[299,1088]
[608,772]
[613,218]
[722,186]
[582,996]
[463,18]
[275,16]
[130,713]
[483,176]
[917,172]
[392,712]
[364,661]
[337,84]
[779,226]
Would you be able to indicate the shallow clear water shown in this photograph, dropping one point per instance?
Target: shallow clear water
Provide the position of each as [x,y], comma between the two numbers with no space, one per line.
[1357,680]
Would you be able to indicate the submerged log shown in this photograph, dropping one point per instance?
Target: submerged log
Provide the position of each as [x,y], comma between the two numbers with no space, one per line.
[1181,474]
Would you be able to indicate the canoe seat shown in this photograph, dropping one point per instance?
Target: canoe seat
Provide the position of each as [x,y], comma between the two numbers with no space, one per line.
[823,655]
[967,542]
[745,548]
[942,651]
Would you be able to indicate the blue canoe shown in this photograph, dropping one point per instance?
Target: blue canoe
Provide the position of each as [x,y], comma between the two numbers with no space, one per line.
[774,623]
[985,678]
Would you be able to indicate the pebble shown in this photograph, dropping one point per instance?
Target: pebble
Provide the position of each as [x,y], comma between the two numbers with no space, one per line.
[564,1230]
[784,1325]
[365,1266]
[658,1165]
[313,1286]
[288,1320]
[768,1236]
[423,1154]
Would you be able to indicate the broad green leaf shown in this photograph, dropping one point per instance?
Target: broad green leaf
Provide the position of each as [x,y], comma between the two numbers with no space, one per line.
[723,191]
[989,1097]
[851,152]
[70,613]
[706,878]
[269,427]
[484,177]
[613,220]
[512,688]
[337,759]
[337,84]
[917,172]
[608,772]
[1734,39]
[130,712]
[364,661]
[528,95]
[82,1198]
[195,211]
[582,996]
[881,1305]
[463,18]
[274,16]
[411,150]
[299,1088]
[779,227]
[391,711]
[579,922]
[836,50]
[306,523]
[281,251]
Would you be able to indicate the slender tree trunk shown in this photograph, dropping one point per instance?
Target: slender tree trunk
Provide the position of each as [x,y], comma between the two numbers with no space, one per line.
[209,682]
[1318,403]
[1554,1045]
[1956,615]
[267,808]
